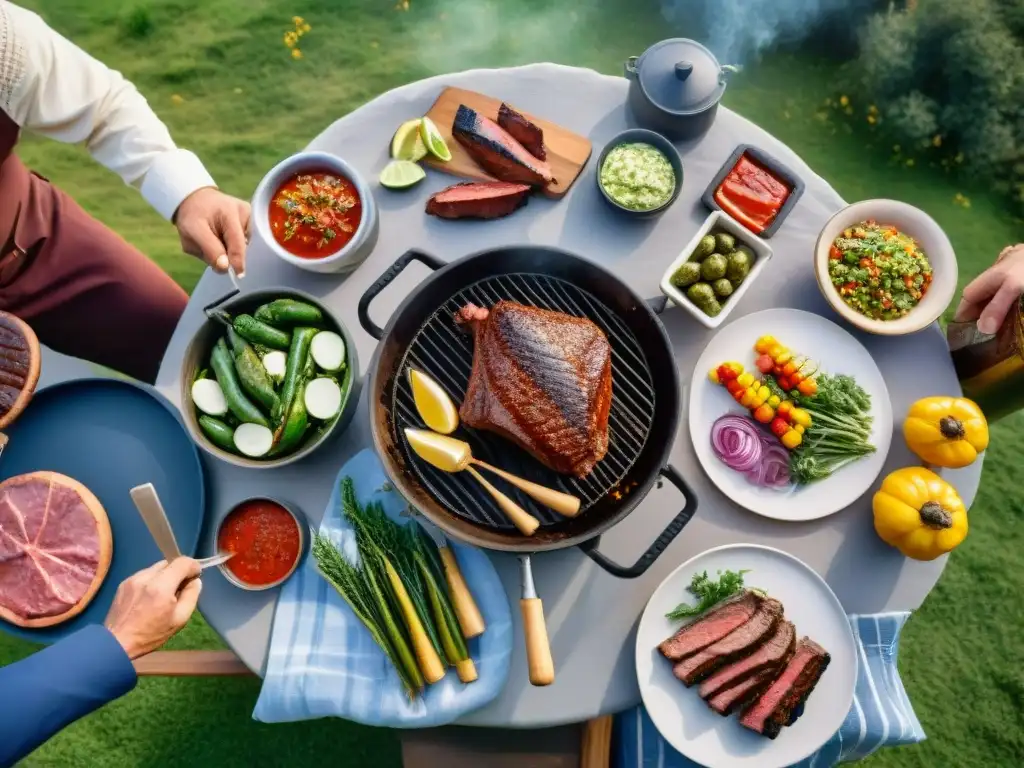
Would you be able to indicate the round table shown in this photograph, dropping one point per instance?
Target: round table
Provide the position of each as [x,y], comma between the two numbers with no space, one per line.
[591,615]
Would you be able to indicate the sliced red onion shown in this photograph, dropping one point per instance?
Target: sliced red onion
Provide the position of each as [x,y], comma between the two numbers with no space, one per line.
[742,445]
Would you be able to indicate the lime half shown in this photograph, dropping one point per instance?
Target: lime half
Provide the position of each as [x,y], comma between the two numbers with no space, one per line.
[433,140]
[407,144]
[400,174]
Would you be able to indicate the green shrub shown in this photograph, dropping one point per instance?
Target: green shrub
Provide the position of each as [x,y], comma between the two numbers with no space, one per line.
[950,74]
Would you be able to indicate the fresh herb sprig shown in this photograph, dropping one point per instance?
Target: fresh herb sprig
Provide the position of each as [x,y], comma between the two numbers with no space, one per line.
[709,592]
[840,429]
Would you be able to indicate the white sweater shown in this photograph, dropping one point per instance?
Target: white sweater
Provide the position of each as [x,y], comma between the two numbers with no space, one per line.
[52,87]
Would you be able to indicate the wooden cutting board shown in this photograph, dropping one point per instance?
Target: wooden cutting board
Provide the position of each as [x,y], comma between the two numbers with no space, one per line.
[567,152]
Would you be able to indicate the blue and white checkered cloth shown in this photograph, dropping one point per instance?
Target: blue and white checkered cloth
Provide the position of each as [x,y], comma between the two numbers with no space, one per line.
[881,715]
[324,662]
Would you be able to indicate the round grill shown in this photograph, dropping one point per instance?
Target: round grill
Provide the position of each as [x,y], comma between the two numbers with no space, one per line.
[445,353]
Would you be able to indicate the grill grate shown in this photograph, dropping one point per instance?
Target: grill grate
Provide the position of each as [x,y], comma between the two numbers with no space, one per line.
[445,353]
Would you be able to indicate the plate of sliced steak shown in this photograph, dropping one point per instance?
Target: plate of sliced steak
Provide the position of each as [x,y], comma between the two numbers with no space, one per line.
[762,679]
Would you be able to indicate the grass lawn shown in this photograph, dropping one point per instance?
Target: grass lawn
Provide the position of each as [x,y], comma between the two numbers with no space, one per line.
[218,73]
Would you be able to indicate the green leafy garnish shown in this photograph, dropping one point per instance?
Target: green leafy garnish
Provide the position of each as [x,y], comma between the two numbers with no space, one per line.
[709,592]
[840,429]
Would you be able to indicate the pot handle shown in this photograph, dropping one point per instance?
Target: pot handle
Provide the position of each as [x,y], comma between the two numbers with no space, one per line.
[630,67]
[209,309]
[384,280]
[646,560]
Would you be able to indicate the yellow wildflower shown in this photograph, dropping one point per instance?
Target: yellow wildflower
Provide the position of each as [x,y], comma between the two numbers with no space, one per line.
[936,140]
[290,39]
[297,21]
[177,99]
[844,101]
[296,53]
[306,28]
[872,119]
[873,109]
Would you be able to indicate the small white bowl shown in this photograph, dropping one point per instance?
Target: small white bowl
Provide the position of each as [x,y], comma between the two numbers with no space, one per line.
[929,235]
[355,250]
[718,221]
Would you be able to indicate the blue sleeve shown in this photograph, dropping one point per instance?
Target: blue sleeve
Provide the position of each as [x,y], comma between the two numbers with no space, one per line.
[49,690]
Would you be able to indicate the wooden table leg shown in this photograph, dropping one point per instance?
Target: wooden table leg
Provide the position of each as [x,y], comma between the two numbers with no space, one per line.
[596,750]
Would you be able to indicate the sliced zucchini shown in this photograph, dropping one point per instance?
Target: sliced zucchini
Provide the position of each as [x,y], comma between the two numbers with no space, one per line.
[328,350]
[276,363]
[323,398]
[209,397]
[253,440]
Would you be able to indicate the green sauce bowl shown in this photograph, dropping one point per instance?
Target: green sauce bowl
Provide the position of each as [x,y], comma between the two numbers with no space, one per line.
[659,142]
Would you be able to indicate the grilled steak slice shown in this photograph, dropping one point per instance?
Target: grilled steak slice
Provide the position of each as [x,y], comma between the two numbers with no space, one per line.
[728,700]
[771,655]
[775,707]
[478,200]
[19,365]
[522,130]
[541,379]
[737,643]
[496,151]
[711,627]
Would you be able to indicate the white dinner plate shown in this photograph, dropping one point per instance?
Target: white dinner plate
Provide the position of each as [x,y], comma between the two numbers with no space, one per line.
[836,352]
[690,725]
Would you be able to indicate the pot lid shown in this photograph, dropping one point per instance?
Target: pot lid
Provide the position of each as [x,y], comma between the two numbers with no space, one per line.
[681,75]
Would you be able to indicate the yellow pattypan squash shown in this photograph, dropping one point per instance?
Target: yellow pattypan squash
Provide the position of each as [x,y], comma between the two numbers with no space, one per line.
[919,513]
[946,431]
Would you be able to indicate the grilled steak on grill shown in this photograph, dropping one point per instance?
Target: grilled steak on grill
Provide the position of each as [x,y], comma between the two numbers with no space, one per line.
[728,700]
[541,379]
[775,707]
[711,627]
[769,656]
[478,200]
[522,130]
[496,151]
[737,643]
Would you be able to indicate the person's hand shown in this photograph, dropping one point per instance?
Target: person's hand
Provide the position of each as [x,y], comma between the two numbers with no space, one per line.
[153,605]
[214,227]
[990,296]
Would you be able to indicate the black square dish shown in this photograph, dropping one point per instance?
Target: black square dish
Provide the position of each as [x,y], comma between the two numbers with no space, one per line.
[777,169]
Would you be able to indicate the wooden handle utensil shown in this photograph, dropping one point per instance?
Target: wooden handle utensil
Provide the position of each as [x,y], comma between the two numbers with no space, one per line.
[471,621]
[538,647]
[152,512]
[521,519]
[562,503]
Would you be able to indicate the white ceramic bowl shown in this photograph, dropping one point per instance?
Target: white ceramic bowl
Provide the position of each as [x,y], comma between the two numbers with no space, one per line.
[355,250]
[718,221]
[911,221]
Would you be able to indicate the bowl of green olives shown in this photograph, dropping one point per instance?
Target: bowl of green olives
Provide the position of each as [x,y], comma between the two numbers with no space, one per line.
[711,274]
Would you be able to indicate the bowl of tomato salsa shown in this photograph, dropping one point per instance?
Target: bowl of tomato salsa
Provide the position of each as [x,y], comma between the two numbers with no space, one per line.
[315,212]
[268,540]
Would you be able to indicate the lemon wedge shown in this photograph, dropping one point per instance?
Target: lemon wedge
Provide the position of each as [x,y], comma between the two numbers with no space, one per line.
[433,404]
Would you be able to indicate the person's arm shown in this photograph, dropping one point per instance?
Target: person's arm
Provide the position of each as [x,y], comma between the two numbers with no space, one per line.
[992,294]
[49,690]
[42,694]
[50,86]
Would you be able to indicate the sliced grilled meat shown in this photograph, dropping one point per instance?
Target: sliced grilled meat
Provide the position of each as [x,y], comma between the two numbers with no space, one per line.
[541,379]
[522,130]
[729,700]
[478,200]
[770,656]
[737,643]
[496,151]
[711,627]
[774,709]
[20,360]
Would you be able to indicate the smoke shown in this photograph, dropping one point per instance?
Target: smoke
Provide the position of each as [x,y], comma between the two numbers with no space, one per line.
[738,30]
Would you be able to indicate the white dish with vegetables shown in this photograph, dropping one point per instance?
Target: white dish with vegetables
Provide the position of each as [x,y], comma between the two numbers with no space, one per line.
[803,429]
[269,377]
[713,272]
[684,718]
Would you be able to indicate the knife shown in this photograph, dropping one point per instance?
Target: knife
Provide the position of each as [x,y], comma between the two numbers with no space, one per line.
[470,619]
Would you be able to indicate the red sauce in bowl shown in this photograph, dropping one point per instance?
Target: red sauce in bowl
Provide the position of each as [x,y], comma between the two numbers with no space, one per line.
[265,539]
[315,214]
[751,194]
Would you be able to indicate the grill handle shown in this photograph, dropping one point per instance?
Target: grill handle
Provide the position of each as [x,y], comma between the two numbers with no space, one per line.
[385,280]
[672,530]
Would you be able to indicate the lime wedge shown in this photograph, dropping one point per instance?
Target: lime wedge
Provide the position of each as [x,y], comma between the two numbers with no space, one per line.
[407,144]
[401,174]
[432,138]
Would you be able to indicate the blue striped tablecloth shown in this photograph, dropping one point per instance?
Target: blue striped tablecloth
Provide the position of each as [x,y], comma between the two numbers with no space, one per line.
[323,661]
[881,714]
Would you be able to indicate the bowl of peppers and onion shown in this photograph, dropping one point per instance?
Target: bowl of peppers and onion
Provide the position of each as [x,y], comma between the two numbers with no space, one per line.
[268,378]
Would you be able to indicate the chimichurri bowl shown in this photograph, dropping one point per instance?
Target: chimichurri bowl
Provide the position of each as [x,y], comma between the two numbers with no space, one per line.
[638,143]
[851,239]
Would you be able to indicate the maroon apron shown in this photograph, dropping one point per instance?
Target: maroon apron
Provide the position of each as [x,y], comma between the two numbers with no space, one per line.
[84,290]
